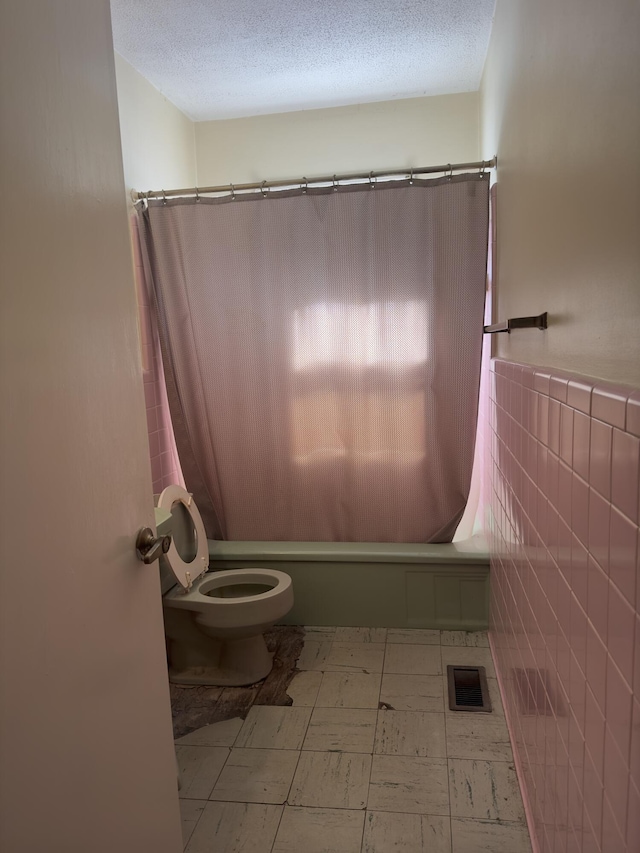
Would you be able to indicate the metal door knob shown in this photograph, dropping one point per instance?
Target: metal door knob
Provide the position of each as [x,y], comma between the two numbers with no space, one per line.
[148,547]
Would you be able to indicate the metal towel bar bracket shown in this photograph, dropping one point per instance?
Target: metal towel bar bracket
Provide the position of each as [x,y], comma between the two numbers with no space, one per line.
[537,322]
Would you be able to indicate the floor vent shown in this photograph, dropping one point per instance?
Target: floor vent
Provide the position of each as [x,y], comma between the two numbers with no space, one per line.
[468,690]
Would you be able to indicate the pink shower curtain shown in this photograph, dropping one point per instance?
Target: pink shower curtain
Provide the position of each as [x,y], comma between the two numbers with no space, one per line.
[322,356]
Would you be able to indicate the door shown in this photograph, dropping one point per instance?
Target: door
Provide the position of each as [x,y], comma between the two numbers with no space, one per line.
[87,762]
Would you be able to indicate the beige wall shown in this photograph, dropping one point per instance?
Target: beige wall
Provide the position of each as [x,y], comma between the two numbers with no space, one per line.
[158,146]
[411,132]
[561,107]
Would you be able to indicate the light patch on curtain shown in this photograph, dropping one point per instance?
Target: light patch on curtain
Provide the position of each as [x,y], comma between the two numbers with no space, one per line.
[375,333]
[371,427]
[366,407]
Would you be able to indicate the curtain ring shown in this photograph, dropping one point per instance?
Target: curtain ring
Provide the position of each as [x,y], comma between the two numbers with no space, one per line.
[197,195]
[164,198]
[335,184]
[306,185]
[450,175]
[482,169]
[372,182]
[233,192]
[262,190]
[411,178]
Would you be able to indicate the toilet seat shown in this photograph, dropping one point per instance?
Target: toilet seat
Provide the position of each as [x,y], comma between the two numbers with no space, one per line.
[265,607]
[275,581]
[186,573]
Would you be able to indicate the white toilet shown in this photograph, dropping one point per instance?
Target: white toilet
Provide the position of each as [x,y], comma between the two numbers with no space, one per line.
[214,621]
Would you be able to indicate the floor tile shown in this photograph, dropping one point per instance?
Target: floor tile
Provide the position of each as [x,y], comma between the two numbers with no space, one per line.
[355,657]
[402,784]
[406,659]
[341,730]
[360,635]
[256,776]
[190,814]
[235,828]
[217,734]
[489,836]
[414,636]
[494,696]
[314,654]
[410,733]
[465,638]
[269,727]
[304,687]
[484,789]
[349,690]
[332,780]
[319,634]
[465,656]
[319,831]
[199,768]
[412,692]
[391,832]
[480,736]
[335,721]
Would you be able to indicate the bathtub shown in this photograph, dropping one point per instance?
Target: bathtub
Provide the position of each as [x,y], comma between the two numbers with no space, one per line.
[374,584]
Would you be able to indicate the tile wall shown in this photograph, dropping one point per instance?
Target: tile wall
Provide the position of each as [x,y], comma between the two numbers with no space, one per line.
[565,624]
[165,467]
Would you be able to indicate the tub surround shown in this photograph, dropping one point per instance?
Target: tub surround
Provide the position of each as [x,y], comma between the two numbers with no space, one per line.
[565,600]
[472,551]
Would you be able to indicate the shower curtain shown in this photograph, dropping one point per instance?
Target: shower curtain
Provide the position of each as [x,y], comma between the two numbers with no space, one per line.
[322,351]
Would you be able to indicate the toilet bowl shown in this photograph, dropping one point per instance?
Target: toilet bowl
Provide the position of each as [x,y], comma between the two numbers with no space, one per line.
[214,621]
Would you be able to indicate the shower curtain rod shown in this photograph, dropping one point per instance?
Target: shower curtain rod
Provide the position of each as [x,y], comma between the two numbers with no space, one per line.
[305,182]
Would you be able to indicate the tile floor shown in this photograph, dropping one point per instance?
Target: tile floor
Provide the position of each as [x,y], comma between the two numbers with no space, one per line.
[368,759]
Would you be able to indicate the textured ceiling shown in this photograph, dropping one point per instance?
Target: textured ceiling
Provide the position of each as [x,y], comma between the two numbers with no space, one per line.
[227,58]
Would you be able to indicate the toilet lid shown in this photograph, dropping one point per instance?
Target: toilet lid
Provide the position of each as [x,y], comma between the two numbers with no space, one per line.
[186,573]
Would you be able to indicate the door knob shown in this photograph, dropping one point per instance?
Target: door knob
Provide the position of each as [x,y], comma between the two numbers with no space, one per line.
[148,547]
